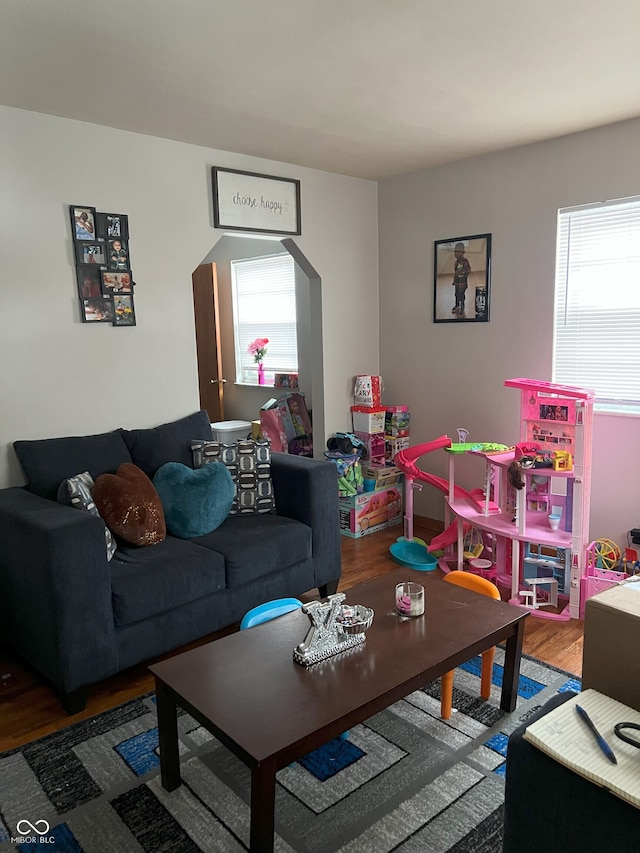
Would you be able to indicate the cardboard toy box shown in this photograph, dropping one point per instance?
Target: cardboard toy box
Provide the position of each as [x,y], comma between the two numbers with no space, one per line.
[370,511]
[396,421]
[367,419]
[611,662]
[393,446]
[384,475]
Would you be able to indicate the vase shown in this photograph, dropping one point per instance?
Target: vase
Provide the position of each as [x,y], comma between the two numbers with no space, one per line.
[260,373]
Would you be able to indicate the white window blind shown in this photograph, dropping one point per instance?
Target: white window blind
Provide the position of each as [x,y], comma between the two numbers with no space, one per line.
[264,306]
[597,307]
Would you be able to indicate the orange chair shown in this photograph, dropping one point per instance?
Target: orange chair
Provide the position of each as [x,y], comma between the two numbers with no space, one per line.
[484,587]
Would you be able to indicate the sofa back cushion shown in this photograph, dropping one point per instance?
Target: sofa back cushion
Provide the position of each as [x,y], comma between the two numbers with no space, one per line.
[151,448]
[47,462]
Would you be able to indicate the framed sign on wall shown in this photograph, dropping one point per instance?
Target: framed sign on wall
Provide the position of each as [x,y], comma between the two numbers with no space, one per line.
[248,201]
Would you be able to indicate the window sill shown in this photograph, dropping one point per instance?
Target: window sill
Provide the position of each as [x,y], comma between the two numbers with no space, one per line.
[254,385]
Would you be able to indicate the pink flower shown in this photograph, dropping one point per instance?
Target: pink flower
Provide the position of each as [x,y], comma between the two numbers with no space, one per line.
[258,348]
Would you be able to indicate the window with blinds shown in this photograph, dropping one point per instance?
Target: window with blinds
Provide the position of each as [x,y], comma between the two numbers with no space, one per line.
[597,307]
[264,306]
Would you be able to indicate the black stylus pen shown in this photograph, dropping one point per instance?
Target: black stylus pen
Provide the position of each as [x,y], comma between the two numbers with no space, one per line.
[604,746]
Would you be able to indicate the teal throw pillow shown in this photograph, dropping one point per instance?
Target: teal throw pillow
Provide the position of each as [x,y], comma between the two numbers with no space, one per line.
[194,502]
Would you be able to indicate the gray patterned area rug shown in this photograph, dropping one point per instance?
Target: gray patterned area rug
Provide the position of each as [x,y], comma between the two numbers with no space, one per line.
[404,780]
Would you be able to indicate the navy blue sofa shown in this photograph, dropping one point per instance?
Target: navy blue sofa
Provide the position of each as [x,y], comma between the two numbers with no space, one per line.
[78,618]
[551,809]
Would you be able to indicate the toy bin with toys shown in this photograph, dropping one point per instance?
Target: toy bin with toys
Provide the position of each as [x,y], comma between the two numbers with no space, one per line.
[370,511]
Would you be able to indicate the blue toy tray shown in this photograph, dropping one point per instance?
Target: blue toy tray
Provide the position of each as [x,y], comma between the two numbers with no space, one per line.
[413,553]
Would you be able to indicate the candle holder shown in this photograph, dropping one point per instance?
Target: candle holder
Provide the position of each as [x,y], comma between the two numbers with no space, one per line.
[409,599]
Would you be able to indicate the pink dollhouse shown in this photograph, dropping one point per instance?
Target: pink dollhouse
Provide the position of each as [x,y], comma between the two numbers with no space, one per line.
[536,535]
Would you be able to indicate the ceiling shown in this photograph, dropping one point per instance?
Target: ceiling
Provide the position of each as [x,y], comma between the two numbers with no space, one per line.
[369,88]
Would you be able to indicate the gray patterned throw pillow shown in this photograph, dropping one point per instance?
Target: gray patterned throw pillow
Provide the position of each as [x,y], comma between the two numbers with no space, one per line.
[77,491]
[249,463]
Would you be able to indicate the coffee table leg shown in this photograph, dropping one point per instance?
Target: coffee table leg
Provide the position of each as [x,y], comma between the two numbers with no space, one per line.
[263,801]
[168,738]
[512,656]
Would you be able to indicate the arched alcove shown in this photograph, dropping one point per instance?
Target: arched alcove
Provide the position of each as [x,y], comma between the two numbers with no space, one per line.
[243,402]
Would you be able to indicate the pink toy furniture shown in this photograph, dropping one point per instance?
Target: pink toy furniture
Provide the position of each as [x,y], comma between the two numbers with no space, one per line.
[538,534]
[596,578]
[541,530]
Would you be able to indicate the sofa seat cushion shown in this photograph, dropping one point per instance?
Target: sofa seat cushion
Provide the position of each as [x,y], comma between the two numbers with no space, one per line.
[47,462]
[151,448]
[148,581]
[253,546]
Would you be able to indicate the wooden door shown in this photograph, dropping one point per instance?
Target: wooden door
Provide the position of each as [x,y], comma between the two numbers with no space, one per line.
[207,322]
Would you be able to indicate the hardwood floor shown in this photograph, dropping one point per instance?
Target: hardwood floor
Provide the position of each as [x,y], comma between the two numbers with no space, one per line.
[30,709]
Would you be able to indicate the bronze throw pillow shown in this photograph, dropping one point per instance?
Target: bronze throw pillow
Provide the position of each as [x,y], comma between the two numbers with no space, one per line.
[130,505]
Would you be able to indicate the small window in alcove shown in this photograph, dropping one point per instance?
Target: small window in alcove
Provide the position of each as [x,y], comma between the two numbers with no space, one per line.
[264,306]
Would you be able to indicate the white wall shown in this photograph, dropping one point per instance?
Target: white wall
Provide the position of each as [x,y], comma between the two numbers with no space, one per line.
[62,377]
[452,375]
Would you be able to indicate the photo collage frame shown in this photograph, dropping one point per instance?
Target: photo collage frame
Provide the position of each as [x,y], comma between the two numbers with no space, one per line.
[103,266]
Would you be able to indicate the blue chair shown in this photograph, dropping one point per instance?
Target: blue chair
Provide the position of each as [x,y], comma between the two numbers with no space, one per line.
[271,610]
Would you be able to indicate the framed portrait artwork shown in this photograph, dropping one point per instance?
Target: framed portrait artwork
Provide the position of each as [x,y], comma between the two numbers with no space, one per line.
[115,282]
[103,266]
[83,222]
[91,253]
[123,311]
[118,254]
[461,279]
[89,283]
[110,225]
[97,310]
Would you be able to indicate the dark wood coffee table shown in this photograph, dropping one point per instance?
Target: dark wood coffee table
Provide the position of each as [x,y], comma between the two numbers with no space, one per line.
[247,690]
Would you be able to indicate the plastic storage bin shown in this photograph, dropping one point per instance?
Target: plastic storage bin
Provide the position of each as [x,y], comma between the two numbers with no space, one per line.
[228,432]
